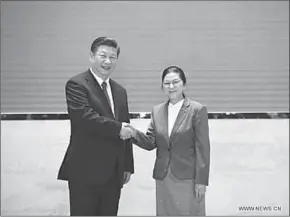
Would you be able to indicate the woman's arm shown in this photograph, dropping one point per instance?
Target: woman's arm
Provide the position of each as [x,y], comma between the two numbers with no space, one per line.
[146,141]
[202,146]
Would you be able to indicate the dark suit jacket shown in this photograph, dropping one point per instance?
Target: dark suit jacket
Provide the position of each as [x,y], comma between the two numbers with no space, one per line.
[95,147]
[187,150]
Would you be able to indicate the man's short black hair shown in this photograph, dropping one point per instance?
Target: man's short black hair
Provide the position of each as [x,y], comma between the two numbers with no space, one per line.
[107,41]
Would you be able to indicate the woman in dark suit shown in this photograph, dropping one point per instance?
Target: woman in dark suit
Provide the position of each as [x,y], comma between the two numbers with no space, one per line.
[180,133]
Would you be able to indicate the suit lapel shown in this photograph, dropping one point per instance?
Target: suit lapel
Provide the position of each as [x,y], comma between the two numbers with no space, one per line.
[180,117]
[116,99]
[98,91]
[163,115]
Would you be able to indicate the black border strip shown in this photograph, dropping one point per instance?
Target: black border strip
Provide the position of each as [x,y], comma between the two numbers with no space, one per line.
[147,115]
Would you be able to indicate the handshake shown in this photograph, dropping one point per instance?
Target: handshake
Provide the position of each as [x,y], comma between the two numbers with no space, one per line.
[127,131]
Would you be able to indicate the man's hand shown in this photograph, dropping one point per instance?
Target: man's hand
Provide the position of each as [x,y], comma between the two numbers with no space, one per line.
[128,131]
[127,176]
[199,190]
[132,129]
[125,132]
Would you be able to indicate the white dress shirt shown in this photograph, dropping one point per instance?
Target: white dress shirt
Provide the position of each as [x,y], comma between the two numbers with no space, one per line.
[173,111]
[109,90]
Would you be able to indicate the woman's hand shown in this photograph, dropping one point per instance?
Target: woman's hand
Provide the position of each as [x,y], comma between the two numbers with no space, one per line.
[199,190]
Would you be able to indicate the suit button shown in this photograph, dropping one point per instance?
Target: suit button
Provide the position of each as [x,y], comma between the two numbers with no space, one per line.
[168,149]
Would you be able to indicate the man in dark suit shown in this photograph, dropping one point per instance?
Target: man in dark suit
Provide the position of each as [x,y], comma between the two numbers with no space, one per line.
[97,162]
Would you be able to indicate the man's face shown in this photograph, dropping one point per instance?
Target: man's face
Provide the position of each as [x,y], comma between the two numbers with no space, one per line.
[104,61]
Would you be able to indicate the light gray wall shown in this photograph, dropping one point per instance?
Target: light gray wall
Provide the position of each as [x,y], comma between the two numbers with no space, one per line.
[235,53]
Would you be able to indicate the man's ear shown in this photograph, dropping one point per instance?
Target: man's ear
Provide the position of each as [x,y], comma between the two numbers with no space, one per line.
[92,57]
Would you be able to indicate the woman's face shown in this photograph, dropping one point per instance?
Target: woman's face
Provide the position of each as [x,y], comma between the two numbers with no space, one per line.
[173,86]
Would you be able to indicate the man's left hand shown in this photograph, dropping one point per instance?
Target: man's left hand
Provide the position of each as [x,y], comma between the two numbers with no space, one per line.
[127,176]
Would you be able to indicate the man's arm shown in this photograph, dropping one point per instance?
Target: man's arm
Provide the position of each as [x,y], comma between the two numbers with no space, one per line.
[81,112]
[129,160]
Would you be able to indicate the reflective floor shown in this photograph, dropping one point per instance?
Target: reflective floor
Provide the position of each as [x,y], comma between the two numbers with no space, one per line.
[249,169]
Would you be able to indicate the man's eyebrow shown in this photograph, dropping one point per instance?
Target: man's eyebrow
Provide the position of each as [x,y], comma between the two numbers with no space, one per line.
[103,52]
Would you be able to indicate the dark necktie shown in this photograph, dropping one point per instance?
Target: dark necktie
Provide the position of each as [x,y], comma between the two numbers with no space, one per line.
[104,86]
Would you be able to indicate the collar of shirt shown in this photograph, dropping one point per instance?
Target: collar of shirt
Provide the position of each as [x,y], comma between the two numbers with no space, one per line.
[99,80]
[173,111]
[176,105]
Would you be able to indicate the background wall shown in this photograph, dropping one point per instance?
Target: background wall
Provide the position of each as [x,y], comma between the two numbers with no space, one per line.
[235,53]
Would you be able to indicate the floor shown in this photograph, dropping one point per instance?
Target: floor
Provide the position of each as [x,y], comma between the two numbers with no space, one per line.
[249,169]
